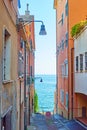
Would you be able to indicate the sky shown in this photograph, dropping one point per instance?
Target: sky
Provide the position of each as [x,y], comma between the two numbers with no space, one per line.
[45,53]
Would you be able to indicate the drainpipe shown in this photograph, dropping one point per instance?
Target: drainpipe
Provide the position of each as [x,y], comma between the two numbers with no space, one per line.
[29,104]
[29,85]
[25,105]
[68,55]
[57,84]
[56,67]
[72,77]
[20,104]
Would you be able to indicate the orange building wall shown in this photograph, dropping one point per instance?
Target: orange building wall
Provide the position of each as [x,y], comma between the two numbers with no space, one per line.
[77,12]
[62,82]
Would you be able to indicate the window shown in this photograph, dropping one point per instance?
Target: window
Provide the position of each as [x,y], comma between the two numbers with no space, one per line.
[22,44]
[76,63]
[27,63]
[66,41]
[62,19]
[58,48]
[81,62]
[85,60]
[62,96]
[31,71]
[66,9]
[67,98]
[62,44]
[6,56]
[63,70]
[20,64]
[31,47]
[66,69]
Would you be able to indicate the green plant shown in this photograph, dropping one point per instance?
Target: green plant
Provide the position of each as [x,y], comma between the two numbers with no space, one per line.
[76,29]
[36,106]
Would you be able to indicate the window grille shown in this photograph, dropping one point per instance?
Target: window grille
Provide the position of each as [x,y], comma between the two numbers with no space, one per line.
[81,62]
[76,63]
[66,39]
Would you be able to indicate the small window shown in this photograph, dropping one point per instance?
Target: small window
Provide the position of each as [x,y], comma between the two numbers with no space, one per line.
[58,50]
[31,47]
[62,19]
[31,71]
[81,62]
[22,44]
[66,69]
[67,98]
[62,44]
[66,9]
[63,70]
[76,63]
[85,60]
[20,64]
[62,96]
[66,41]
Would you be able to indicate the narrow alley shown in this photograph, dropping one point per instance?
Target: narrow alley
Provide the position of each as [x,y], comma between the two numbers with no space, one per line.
[43,73]
[55,122]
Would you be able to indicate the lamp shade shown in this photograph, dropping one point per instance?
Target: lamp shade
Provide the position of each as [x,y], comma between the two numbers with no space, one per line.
[42,30]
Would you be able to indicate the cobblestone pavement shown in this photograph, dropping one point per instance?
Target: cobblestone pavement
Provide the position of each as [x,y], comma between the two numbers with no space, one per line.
[56,122]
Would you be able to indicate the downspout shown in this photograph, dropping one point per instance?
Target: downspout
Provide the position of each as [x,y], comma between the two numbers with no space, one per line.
[20,103]
[72,77]
[68,55]
[25,106]
[29,85]
[56,69]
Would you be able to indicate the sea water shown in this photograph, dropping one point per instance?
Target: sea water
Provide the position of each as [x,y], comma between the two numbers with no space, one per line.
[45,91]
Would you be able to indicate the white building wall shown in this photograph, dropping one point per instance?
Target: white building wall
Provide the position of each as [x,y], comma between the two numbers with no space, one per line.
[80,47]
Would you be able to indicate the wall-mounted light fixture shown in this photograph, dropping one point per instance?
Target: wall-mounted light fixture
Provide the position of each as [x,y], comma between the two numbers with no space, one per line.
[42,29]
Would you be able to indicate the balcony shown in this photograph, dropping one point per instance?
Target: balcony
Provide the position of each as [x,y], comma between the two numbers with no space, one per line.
[81,83]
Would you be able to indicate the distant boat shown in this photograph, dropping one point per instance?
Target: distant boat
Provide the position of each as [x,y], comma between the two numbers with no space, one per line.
[41,80]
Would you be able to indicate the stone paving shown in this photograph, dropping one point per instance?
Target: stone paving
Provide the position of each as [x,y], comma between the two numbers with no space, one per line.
[56,122]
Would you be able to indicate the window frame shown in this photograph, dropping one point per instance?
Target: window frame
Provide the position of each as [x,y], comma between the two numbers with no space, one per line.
[62,96]
[6,55]
[66,8]
[86,61]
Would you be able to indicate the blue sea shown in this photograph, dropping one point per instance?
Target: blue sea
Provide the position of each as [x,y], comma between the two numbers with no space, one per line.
[45,91]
